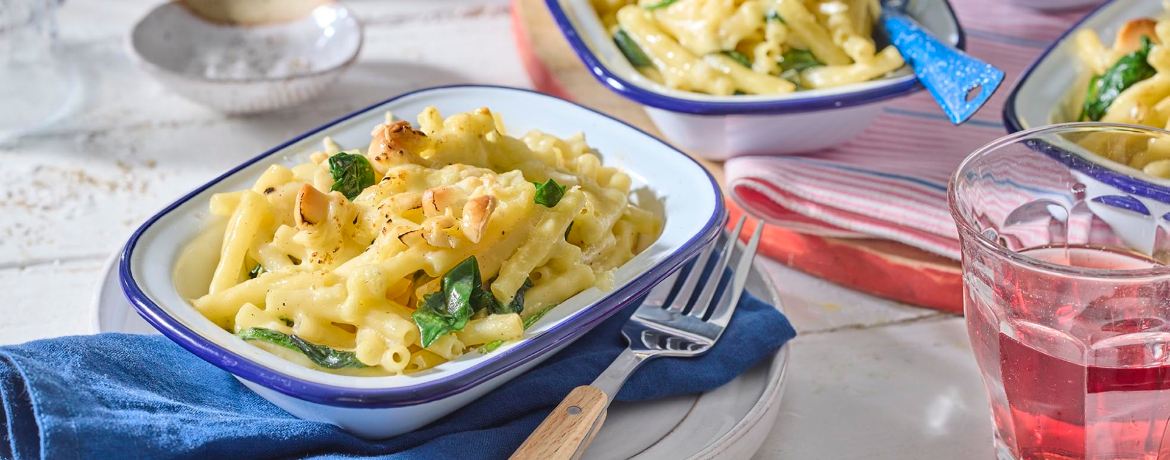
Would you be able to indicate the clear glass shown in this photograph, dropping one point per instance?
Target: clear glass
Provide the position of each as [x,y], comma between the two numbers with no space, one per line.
[37,87]
[1066,292]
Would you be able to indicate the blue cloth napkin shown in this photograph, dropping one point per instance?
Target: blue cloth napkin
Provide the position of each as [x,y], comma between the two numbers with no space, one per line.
[127,396]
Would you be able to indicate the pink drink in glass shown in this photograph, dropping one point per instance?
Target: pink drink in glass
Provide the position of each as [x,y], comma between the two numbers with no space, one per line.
[1070,325]
[1051,405]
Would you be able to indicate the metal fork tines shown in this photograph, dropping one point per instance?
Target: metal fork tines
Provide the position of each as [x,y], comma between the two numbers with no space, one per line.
[674,320]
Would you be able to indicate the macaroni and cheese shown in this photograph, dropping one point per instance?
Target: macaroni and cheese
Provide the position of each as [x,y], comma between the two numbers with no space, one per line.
[1130,83]
[726,47]
[432,242]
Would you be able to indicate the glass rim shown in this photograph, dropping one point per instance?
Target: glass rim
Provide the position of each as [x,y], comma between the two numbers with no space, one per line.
[967,230]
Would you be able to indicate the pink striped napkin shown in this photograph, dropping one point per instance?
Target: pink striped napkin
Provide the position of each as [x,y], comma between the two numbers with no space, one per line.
[891,181]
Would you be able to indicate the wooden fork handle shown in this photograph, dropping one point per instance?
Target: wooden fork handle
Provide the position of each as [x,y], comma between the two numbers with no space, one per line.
[568,429]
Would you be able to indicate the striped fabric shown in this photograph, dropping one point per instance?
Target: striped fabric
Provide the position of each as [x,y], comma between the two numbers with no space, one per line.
[891,181]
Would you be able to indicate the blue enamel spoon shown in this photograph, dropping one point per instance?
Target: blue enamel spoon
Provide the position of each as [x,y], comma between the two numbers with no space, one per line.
[959,83]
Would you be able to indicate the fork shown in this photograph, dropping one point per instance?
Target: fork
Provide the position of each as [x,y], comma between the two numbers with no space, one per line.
[662,326]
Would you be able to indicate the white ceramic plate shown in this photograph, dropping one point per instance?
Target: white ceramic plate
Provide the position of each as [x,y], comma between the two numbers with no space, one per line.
[730,422]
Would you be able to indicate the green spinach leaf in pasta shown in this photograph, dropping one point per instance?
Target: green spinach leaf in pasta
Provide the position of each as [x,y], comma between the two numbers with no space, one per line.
[449,309]
[793,76]
[515,306]
[549,193]
[662,4]
[433,321]
[630,49]
[490,346]
[319,354]
[1128,71]
[796,59]
[352,173]
[529,321]
[256,271]
[461,294]
[739,57]
[774,16]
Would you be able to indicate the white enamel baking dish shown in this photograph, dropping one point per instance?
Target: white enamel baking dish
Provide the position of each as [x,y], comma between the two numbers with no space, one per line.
[665,180]
[1135,204]
[721,127]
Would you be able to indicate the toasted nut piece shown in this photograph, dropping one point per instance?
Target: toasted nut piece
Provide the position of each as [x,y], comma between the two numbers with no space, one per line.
[475,216]
[311,207]
[1129,37]
[437,200]
[435,231]
[395,144]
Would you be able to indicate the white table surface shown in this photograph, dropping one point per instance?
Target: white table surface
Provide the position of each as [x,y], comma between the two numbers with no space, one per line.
[870,378]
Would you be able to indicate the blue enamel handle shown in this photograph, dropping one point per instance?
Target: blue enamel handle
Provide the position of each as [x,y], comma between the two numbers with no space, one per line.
[960,83]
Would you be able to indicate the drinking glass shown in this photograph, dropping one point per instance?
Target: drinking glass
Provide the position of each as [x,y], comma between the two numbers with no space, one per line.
[37,86]
[1066,290]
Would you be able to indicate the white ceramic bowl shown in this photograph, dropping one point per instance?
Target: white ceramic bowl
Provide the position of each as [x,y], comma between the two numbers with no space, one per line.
[1135,204]
[240,69]
[721,127]
[664,179]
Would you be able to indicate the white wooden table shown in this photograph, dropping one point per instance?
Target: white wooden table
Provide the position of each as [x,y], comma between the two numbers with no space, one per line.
[870,379]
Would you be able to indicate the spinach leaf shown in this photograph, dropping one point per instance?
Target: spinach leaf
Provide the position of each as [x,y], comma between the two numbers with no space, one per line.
[515,306]
[461,294]
[774,16]
[549,193]
[799,60]
[528,322]
[286,321]
[739,57]
[631,49]
[319,354]
[449,309]
[519,300]
[793,76]
[567,230]
[256,271]
[1129,70]
[490,346]
[662,4]
[351,174]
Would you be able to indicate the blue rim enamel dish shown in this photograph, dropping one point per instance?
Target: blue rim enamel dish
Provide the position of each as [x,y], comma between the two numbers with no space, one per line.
[1052,89]
[686,196]
[593,44]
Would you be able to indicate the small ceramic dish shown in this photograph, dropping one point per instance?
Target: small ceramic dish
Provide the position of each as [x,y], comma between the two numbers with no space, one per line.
[1053,88]
[246,68]
[665,180]
[1051,91]
[721,127]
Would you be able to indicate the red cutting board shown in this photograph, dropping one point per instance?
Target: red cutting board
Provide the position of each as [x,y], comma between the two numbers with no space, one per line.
[879,267]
